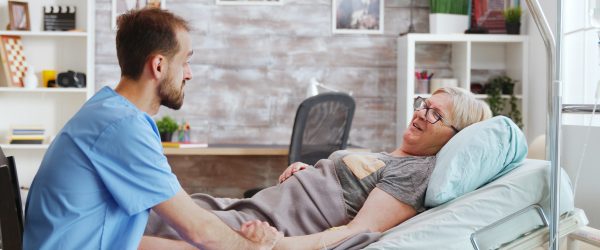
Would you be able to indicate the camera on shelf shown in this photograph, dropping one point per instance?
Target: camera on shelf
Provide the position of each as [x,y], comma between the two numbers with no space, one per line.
[71,79]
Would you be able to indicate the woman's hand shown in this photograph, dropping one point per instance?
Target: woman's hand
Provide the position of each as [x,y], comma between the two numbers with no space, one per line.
[261,233]
[293,168]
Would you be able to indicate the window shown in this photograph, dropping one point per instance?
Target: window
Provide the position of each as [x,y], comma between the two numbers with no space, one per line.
[581,57]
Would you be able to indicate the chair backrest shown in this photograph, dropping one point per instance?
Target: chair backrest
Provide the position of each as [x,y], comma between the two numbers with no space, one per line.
[11,212]
[321,127]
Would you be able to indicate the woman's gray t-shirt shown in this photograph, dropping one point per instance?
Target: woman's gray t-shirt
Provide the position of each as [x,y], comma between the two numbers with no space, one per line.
[404,178]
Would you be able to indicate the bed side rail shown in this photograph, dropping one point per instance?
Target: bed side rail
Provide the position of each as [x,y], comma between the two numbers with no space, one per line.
[514,226]
[568,223]
[586,234]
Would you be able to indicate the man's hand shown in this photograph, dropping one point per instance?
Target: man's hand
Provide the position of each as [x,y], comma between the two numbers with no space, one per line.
[261,233]
[293,168]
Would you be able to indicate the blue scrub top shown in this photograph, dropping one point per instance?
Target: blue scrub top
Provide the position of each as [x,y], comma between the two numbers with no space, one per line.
[98,180]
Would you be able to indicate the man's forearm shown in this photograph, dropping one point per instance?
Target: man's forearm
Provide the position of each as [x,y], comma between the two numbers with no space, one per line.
[215,234]
[198,226]
[320,240]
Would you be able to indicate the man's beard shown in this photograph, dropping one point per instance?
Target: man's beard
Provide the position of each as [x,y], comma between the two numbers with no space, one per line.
[169,95]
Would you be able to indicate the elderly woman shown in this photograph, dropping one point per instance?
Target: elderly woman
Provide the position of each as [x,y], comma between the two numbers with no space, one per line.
[353,192]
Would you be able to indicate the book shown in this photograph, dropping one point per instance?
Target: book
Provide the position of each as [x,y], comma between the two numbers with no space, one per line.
[183,145]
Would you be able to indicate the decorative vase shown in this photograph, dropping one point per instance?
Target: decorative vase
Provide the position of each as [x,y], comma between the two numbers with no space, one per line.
[166,137]
[513,28]
[442,23]
[30,81]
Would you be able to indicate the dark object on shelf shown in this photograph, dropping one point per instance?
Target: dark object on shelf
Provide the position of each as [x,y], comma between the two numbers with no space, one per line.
[477,88]
[71,79]
[52,84]
[27,142]
[321,126]
[59,18]
[512,16]
[476,30]
[513,28]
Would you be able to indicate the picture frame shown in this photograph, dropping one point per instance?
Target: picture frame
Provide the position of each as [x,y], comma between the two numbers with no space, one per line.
[121,6]
[18,13]
[357,16]
[249,2]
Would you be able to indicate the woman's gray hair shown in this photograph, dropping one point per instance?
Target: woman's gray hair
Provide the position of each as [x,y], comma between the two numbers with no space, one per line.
[466,108]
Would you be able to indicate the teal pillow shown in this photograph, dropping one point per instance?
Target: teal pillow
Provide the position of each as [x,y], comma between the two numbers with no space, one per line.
[477,155]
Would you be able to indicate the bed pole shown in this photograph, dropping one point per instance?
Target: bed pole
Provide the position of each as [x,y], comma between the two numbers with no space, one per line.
[553,53]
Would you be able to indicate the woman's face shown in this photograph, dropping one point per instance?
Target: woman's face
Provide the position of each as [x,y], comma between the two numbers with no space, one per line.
[423,138]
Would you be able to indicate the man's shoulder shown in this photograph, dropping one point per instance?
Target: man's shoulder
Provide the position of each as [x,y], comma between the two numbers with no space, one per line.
[103,112]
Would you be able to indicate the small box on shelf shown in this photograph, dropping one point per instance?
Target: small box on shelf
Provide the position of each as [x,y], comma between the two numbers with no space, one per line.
[59,18]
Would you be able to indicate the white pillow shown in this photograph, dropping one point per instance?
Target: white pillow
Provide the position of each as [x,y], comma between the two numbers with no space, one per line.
[477,155]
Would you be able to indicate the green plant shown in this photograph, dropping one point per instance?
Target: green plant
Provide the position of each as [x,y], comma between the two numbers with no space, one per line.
[512,15]
[166,125]
[494,88]
[460,7]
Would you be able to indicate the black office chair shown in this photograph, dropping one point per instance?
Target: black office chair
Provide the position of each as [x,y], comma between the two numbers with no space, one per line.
[321,127]
[11,212]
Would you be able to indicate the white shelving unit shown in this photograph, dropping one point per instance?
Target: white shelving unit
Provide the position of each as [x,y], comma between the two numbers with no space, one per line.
[49,108]
[468,54]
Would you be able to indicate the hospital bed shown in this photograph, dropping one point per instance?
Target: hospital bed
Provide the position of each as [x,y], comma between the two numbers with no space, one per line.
[508,213]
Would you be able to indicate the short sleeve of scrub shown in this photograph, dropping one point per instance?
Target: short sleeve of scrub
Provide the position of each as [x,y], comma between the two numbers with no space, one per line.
[129,159]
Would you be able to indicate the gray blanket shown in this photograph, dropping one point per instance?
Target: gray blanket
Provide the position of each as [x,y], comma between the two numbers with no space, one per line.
[309,202]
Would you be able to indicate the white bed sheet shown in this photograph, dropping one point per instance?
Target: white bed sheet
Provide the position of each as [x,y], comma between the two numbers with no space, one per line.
[450,225]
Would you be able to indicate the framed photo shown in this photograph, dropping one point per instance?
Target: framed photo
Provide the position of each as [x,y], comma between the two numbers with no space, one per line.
[18,13]
[249,2]
[357,16]
[121,6]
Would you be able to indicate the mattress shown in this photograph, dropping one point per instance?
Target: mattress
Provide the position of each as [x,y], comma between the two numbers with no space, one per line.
[449,226]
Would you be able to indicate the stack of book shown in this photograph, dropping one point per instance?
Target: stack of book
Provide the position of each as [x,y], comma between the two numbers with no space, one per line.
[27,135]
[183,145]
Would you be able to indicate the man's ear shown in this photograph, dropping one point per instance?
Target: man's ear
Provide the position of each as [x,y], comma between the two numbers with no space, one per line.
[158,66]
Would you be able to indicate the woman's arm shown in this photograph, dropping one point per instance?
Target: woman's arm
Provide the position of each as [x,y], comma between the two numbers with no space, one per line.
[380,212]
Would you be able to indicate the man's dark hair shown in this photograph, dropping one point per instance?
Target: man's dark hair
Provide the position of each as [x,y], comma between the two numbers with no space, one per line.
[143,33]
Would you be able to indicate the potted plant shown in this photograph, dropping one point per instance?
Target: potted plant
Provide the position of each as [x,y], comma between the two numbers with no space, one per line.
[497,86]
[166,127]
[448,16]
[512,18]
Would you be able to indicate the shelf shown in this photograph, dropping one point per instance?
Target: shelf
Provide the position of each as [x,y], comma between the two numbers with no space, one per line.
[451,38]
[43,90]
[23,146]
[44,33]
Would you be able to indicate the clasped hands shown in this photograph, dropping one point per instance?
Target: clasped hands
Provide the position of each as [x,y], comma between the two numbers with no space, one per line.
[261,232]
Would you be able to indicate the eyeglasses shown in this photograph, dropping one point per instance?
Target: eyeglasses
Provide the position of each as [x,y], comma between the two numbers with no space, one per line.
[431,115]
